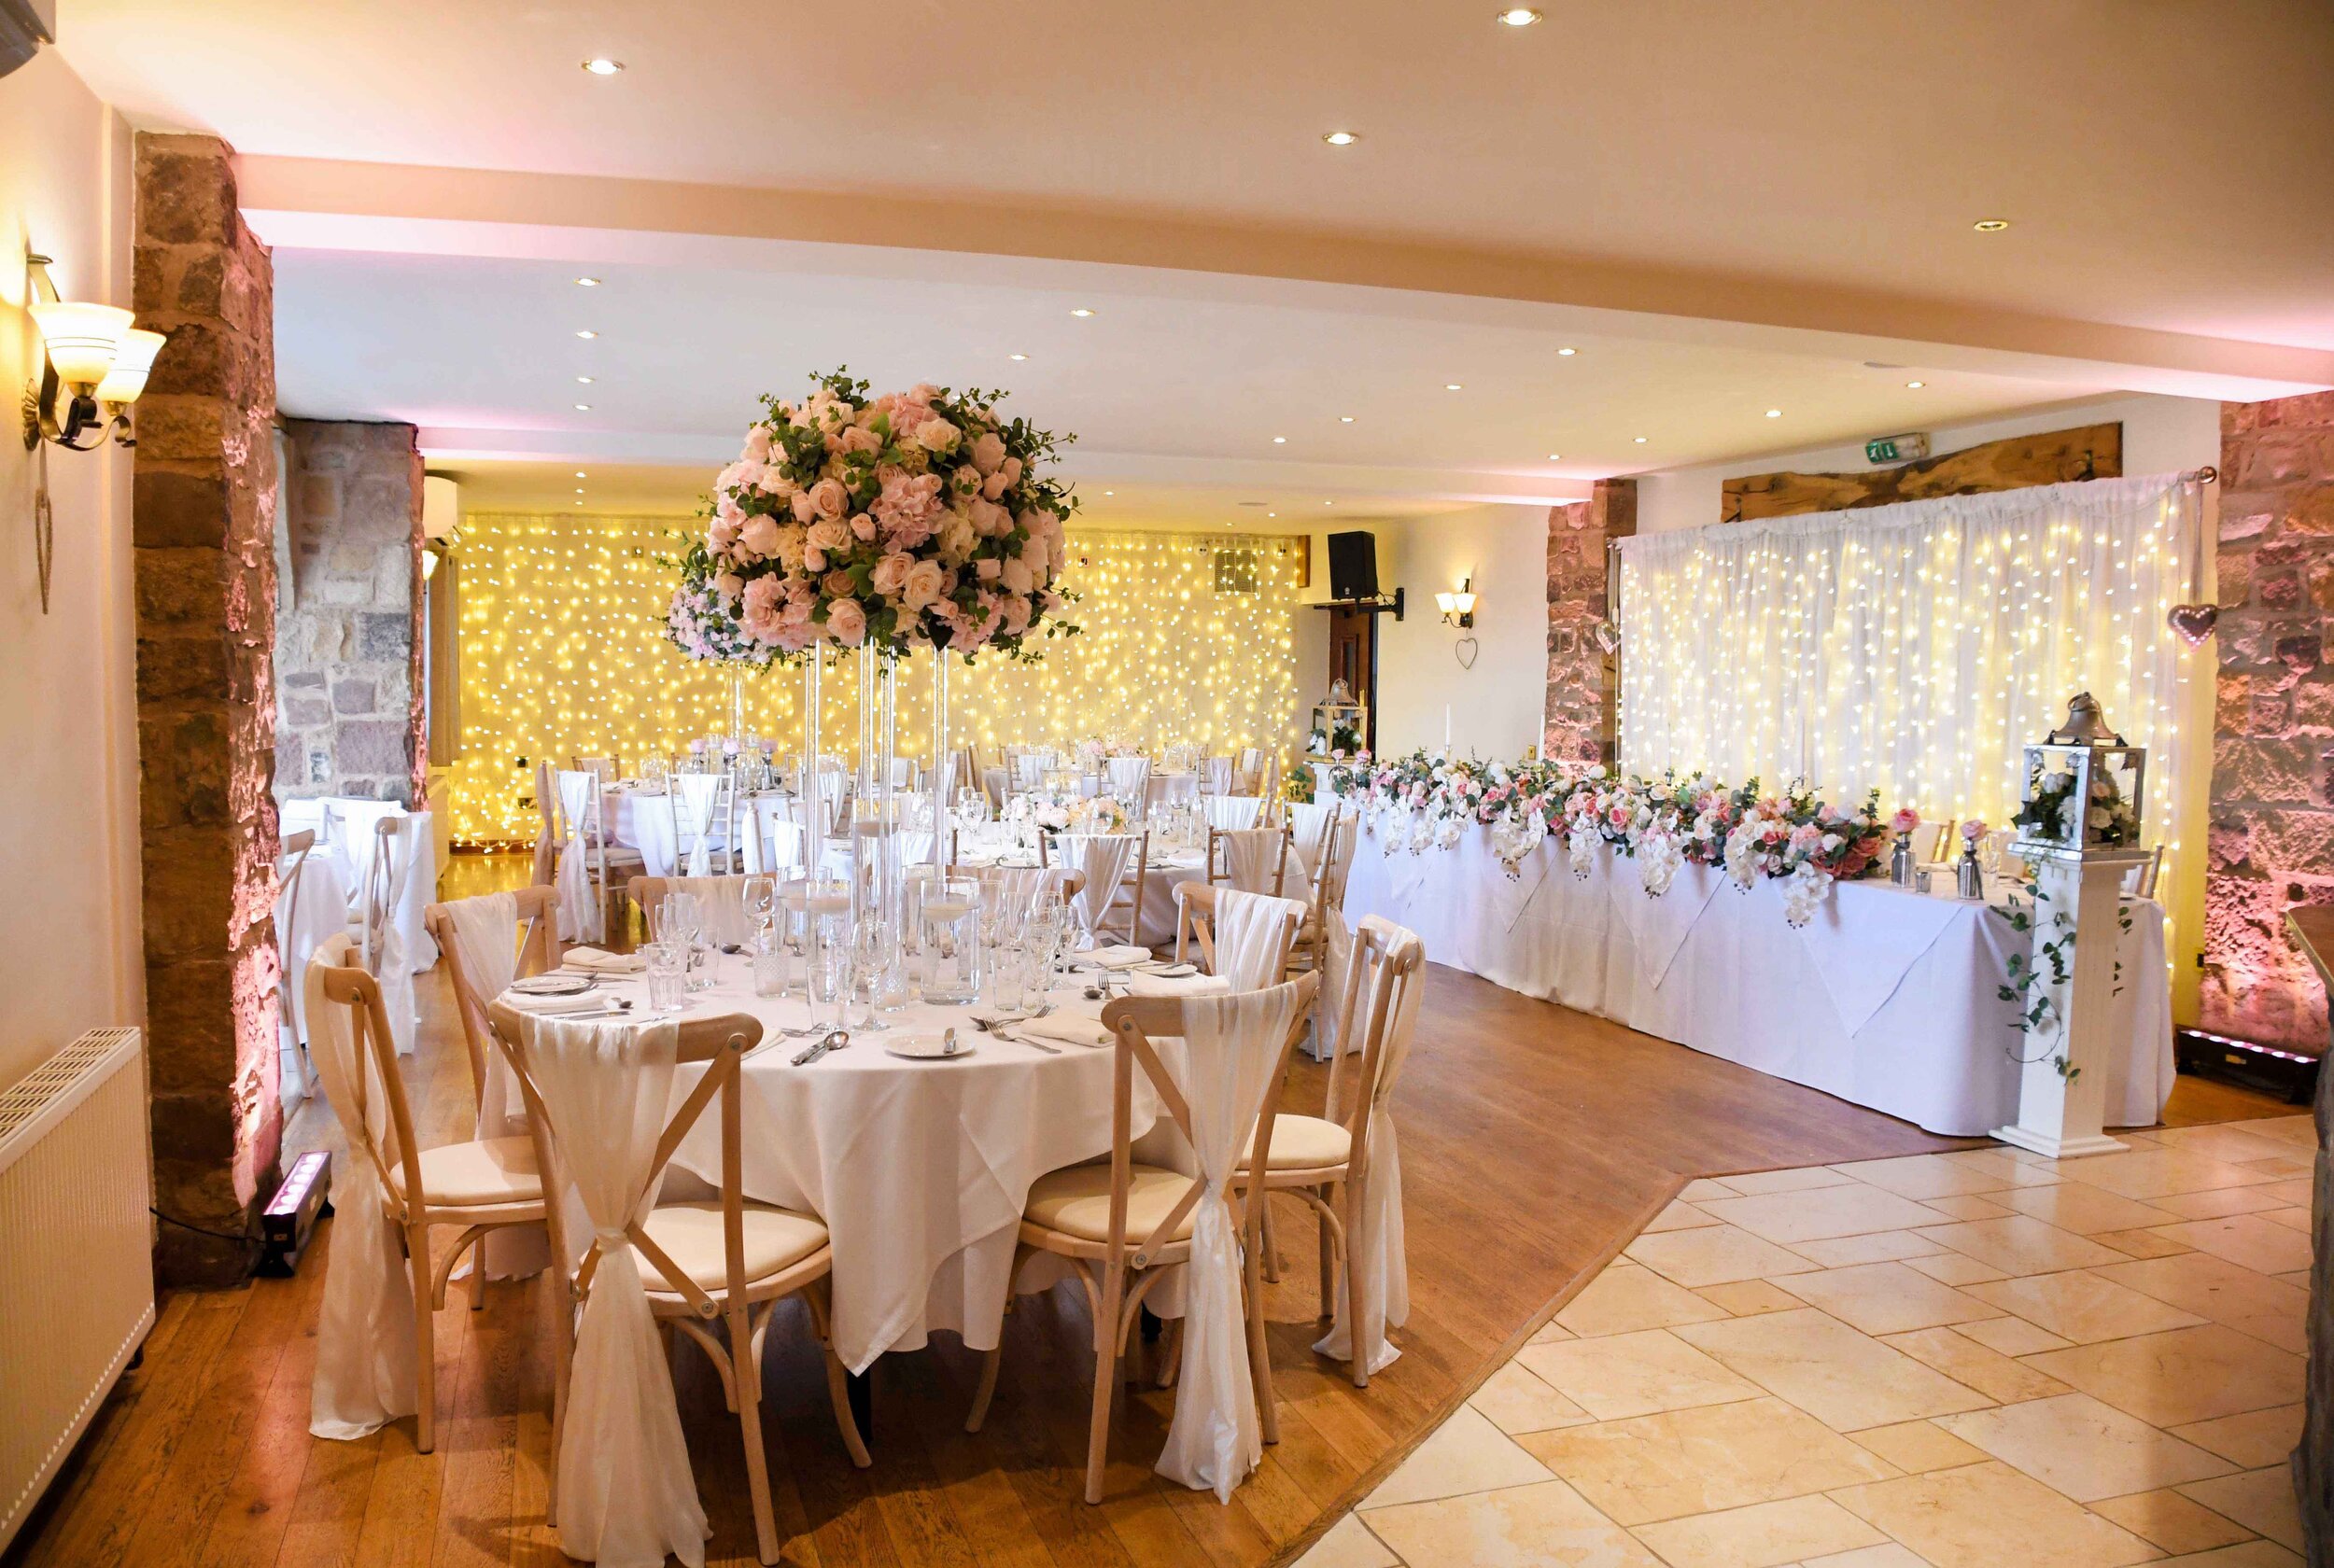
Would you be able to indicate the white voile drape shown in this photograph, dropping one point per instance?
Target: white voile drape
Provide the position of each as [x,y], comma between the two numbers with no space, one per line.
[1251,945]
[1252,859]
[1232,813]
[1103,858]
[693,798]
[627,1493]
[580,918]
[1916,647]
[1230,1047]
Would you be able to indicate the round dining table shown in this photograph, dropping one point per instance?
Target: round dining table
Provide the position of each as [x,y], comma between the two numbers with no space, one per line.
[920,1167]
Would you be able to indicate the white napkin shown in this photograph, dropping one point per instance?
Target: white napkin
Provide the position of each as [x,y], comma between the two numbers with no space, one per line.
[590,1002]
[602,962]
[1121,957]
[1142,985]
[1068,1027]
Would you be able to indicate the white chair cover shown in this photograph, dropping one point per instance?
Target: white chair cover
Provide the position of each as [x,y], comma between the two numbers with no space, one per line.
[393,964]
[1250,931]
[1378,1241]
[1252,857]
[696,801]
[1230,1047]
[1129,776]
[365,1367]
[1309,827]
[724,900]
[627,1495]
[487,943]
[1028,769]
[1215,776]
[772,842]
[1103,858]
[1233,813]
[579,917]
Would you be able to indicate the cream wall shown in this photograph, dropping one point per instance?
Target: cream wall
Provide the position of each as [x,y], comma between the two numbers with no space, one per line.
[69,945]
[1492,706]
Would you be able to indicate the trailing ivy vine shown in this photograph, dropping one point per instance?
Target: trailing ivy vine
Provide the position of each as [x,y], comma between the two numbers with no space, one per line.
[2035,980]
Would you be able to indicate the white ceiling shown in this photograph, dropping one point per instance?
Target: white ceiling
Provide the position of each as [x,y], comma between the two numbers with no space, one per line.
[1724,209]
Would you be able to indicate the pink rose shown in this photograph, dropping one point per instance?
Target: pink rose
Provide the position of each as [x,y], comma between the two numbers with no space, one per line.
[988,452]
[838,584]
[760,614]
[813,559]
[803,510]
[1017,577]
[829,499]
[758,445]
[891,574]
[760,536]
[988,568]
[1905,819]
[859,439]
[925,584]
[994,486]
[828,534]
[863,527]
[722,535]
[846,623]
[1016,610]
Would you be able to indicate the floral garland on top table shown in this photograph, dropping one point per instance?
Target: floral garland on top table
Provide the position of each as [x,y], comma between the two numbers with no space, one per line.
[905,520]
[1430,798]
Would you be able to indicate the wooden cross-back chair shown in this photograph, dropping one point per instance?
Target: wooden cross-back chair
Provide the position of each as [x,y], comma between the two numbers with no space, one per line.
[1196,925]
[1218,863]
[297,847]
[1325,888]
[477,1187]
[1325,1159]
[1071,880]
[539,953]
[725,1260]
[1122,1224]
[385,886]
[1127,896]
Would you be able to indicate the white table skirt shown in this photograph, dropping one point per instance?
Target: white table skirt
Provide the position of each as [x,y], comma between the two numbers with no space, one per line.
[322,912]
[920,1169]
[350,850]
[1887,999]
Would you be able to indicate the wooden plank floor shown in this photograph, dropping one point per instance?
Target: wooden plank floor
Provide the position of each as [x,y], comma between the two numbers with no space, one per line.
[1535,1141]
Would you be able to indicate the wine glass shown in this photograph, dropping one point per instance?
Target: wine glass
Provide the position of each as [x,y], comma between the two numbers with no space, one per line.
[759,892]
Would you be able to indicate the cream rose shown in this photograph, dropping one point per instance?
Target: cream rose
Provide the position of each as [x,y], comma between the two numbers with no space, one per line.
[926,582]
[937,435]
[846,623]
[828,535]
[891,574]
[829,499]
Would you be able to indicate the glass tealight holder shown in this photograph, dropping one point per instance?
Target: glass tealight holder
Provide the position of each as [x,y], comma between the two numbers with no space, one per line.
[951,939]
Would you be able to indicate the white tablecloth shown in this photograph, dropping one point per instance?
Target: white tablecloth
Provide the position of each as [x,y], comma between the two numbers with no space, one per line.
[1887,999]
[348,847]
[920,1169]
[303,924]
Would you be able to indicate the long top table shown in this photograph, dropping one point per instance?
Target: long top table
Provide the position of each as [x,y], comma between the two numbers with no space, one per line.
[1887,997]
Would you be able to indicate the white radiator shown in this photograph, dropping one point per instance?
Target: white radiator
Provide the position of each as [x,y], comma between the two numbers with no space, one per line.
[76,1274]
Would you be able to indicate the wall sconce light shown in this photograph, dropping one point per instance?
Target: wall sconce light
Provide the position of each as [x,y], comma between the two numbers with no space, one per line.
[1458,609]
[93,365]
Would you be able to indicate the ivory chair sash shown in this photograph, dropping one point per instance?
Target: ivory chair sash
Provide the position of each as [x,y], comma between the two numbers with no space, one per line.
[372,1337]
[488,941]
[385,950]
[685,1263]
[1020,884]
[696,801]
[1215,1064]
[583,911]
[1129,781]
[724,899]
[1243,937]
[1233,813]
[767,840]
[1253,859]
[1248,778]
[1346,1166]
[1104,858]
[1309,823]
[1215,776]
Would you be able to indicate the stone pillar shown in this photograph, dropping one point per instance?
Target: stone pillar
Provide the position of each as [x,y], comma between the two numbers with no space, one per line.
[2272,845]
[204,522]
[1583,681]
[348,636]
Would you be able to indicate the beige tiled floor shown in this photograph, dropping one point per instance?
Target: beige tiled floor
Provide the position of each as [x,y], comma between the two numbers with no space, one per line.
[1956,1361]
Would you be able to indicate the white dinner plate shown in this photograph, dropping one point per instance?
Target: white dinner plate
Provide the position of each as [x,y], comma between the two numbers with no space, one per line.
[553,985]
[927,1047]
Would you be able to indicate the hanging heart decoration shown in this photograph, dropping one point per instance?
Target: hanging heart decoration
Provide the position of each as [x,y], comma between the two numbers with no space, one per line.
[1607,636]
[2193,622]
[1465,649]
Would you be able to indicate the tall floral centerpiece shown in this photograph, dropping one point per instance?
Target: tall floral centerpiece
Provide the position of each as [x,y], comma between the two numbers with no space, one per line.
[883,522]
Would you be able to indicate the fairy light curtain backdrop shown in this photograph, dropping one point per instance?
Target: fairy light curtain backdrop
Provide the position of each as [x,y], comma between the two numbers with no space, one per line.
[563,653]
[1916,647]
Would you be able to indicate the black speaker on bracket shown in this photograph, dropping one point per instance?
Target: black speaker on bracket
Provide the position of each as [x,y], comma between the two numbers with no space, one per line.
[1353,566]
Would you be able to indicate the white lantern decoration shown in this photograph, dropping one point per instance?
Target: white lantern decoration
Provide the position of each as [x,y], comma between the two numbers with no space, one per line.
[2082,791]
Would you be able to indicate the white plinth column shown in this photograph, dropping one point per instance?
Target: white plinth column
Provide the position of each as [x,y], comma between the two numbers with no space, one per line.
[2058,1113]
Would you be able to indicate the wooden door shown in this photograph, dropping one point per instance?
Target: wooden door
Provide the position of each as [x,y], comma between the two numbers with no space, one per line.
[1354,660]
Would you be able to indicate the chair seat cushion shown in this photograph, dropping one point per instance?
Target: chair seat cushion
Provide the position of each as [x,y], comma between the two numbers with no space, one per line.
[1305,1143]
[691,1234]
[1077,1201]
[465,1175]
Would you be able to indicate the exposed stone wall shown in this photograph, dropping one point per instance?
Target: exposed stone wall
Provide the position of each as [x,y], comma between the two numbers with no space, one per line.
[348,632]
[2273,805]
[1583,681]
[203,529]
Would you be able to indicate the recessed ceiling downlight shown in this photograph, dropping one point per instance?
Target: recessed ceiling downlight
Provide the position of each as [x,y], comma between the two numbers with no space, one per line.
[600,65]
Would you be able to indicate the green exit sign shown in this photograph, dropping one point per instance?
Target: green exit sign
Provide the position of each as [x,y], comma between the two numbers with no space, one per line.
[1896,449]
